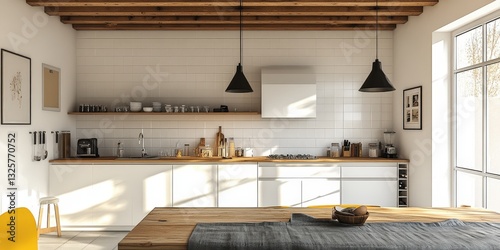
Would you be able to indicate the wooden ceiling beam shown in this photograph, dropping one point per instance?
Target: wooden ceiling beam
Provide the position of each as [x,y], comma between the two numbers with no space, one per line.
[231,27]
[224,14]
[220,3]
[248,20]
[230,11]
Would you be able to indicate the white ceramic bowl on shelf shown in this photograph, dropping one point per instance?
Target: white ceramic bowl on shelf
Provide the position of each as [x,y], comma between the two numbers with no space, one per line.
[135,106]
[147,109]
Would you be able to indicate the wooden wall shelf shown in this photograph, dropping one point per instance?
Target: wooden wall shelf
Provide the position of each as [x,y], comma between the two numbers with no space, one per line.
[163,113]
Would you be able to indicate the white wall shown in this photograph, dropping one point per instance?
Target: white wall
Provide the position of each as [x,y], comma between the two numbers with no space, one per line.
[30,32]
[413,43]
[195,67]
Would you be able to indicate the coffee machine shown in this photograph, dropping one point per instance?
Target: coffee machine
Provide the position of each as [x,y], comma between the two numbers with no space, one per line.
[389,150]
[87,148]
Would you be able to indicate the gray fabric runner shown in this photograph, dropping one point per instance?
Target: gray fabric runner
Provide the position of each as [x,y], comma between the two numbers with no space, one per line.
[305,232]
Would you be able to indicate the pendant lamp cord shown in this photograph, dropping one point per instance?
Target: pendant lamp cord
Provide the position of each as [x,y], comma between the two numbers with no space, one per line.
[241,31]
[376,29]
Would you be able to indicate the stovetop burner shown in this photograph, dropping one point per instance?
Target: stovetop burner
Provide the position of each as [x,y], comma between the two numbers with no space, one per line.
[292,157]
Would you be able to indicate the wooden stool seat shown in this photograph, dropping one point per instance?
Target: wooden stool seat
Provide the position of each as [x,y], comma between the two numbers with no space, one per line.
[48,201]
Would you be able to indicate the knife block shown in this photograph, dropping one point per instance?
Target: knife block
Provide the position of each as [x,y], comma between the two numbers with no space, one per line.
[346,152]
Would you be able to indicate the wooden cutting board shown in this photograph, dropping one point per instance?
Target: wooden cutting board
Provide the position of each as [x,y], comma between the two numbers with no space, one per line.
[219,137]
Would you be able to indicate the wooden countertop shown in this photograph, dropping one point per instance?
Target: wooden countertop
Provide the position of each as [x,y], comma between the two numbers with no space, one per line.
[170,228]
[189,159]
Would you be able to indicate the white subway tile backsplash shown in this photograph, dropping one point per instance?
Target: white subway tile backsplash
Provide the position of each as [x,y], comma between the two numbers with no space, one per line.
[194,68]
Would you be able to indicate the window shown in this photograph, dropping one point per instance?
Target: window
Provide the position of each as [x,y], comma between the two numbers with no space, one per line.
[477,113]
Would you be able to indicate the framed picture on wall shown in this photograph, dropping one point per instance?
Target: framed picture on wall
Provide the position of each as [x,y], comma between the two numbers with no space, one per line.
[51,91]
[16,88]
[412,108]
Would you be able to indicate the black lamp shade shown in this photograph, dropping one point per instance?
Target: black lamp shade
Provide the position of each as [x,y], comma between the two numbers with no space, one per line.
[376,80]
[239,84]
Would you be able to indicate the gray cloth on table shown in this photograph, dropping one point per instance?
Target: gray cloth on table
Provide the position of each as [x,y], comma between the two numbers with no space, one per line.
[305,232]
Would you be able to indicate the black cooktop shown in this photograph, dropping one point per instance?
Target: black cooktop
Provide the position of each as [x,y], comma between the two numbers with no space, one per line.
[292,157]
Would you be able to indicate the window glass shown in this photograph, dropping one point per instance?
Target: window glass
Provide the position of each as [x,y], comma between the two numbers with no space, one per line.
[493,118]
[493,189]
[469,189]
[493,40]
[469,49]
[469,119]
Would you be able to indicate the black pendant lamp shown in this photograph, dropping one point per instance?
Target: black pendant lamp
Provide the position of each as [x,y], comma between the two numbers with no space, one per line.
[239,83]
[377,81]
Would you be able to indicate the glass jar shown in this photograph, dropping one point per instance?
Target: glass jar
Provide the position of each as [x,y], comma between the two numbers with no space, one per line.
[206,151]
[168,108]
[239,152]
[373,149]
[335,150]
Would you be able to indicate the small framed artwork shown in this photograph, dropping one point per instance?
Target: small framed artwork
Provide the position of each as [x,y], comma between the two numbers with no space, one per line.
[51,91]
[412,108]
[16,88]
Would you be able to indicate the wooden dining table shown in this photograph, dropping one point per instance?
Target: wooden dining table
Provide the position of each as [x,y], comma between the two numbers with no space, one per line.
[171,227]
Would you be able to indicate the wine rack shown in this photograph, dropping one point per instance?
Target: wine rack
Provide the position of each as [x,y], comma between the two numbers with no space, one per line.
[403,185]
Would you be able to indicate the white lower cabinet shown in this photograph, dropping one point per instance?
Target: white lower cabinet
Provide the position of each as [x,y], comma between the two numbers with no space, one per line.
[237,185]
[298,192]
[298,185]
[370,183]
[194,185]
[151,186]
[110,196]
[119,196]
[280,193]
[320,192]
[72,184]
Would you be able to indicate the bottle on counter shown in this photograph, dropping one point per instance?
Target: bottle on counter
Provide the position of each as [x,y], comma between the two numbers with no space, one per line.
[186,149]
[225,149]
[232,152]
[119,150]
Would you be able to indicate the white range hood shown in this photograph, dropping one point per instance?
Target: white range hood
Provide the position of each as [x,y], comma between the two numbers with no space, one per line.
[288,92]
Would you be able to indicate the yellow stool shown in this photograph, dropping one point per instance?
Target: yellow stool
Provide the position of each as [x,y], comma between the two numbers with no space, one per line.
[48,201]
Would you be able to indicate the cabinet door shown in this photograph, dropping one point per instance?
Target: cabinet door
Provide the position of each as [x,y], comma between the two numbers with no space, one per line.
[194,185]
[151,187]
[113,194]
[298,170]
[126,193]
[72,184]
[370,192]
[237,185]
[320,192]
[275,192]
[370,184]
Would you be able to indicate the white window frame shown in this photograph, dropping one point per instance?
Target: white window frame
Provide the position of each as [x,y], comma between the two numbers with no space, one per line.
[483,173]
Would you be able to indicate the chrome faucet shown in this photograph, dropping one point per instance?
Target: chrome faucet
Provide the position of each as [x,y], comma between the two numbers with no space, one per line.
[141,141]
